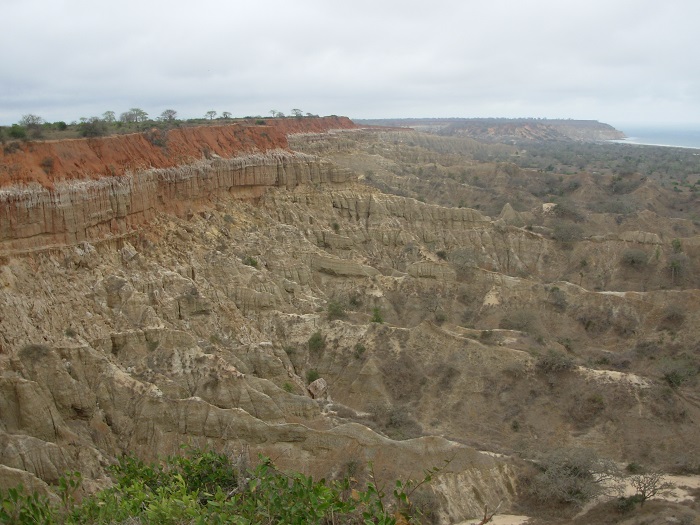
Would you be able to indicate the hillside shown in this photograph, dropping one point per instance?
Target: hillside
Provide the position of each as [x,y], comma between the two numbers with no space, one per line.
[509,130]
[329,295]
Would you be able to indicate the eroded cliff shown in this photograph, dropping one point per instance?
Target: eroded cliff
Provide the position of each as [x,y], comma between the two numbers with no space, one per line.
[234,283]
[64,192]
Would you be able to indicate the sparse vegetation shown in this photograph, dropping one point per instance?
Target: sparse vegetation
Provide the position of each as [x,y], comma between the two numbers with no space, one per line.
[567,232]
[677,372]
[521,320]
[554,361]
[634,258]
[601,299]
[336,311]
[250,261]
[359,350]
[317,343]
[647,485]
[572,476]
[312,375]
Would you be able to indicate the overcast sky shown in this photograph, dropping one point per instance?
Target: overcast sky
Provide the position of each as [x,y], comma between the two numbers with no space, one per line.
[617,61]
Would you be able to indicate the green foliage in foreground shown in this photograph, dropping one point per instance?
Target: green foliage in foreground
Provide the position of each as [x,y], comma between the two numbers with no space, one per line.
[208,488]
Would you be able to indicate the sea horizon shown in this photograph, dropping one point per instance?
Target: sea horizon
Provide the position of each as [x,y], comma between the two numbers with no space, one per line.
[668,136]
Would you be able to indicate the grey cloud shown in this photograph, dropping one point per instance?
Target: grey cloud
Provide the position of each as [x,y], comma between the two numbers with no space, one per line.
[610,61]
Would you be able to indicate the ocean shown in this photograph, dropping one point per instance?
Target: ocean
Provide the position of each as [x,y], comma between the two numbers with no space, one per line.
[679,137]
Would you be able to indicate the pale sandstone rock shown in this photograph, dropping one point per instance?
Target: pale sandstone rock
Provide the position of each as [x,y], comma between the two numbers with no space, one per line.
[432,270]
[640,237]
[341,267]
[319,389]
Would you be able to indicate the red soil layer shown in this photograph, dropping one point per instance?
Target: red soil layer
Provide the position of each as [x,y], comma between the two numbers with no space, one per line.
[51,161]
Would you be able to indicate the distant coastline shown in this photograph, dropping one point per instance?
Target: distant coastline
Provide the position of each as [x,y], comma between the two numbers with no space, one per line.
[681,137]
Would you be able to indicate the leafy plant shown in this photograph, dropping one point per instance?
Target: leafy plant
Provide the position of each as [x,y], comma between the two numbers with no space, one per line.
[17,507]
[203,487]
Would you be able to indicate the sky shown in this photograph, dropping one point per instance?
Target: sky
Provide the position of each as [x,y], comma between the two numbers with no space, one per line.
[616,61]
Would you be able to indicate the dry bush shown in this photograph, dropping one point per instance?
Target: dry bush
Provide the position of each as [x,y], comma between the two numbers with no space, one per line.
[594,320]
[585,411]
[672,317]
[396,421]
[446,375]
[571,476]
[567,232]
[34,352]
[554,361]
[521,320]
[634,258]
[557,299]
[403,378]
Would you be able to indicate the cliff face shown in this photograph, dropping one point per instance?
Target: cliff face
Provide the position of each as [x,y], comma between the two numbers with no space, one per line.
[196,327]
[64,192]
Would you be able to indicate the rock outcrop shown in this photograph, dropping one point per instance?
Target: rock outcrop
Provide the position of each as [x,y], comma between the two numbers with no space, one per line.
[104,187]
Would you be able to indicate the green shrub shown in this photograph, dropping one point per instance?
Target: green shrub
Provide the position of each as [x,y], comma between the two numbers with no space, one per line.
[93,127]
[355,300]
[18,507]
[335,311]
[634,468]
[626,504]
[250,261]
[317,343]
[208,487]
[17,132]
[312,375]
[677,372]
[359,350]
[377,316]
